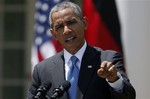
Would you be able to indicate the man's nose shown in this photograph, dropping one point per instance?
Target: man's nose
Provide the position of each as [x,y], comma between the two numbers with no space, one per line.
[67,30]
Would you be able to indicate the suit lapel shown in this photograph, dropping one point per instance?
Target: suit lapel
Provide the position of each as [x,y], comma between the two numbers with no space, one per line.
[59,72]
[88,67]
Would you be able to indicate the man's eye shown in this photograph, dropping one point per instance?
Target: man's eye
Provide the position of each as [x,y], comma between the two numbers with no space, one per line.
[71,22]
[58,27]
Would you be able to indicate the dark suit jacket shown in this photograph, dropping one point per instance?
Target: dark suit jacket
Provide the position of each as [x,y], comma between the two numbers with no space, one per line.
[90,85]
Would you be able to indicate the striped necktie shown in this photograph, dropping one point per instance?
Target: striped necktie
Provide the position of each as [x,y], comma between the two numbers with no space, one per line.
[73,78]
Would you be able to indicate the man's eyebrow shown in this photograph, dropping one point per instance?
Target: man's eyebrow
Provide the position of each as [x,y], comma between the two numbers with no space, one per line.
[68,20]
[71,19]
[57,24]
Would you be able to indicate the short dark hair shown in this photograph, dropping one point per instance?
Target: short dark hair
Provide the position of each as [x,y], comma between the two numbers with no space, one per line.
[63,5]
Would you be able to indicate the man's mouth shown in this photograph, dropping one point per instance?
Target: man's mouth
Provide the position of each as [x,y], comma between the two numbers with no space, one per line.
[70,38]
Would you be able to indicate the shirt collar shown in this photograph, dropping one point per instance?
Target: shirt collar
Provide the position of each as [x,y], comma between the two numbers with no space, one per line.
[79,54]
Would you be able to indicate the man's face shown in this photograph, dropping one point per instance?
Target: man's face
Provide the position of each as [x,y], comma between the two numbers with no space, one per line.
[68,28]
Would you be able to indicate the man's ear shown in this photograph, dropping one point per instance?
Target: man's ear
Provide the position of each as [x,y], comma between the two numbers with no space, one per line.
[85,22]
[53,33]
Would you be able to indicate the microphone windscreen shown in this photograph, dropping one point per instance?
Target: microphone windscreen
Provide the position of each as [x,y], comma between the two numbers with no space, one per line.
[43,89]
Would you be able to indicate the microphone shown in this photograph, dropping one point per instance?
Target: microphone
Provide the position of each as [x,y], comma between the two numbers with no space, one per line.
[58,92]
[42,90]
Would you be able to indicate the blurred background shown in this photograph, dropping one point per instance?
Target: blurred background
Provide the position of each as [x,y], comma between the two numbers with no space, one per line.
[125,27]
[16,36]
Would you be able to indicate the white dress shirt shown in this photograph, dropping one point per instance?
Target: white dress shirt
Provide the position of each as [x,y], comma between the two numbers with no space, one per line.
[67,57]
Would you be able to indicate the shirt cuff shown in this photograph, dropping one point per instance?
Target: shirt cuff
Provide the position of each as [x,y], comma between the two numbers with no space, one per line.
[117,85]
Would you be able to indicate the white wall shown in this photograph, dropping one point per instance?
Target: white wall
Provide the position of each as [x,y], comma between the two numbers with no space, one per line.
[135,22]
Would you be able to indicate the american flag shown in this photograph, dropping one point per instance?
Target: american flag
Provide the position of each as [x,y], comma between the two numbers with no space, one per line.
[44,44]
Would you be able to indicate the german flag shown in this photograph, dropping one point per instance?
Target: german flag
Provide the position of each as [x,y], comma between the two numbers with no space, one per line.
[104,29]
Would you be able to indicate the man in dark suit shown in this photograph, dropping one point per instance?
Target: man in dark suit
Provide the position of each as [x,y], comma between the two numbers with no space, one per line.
[101,73]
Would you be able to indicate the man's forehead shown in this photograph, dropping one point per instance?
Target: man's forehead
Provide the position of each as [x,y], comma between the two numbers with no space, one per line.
[64,19]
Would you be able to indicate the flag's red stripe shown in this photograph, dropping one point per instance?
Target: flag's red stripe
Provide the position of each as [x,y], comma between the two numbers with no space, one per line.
[40,57]
[57,45]
[97,33]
